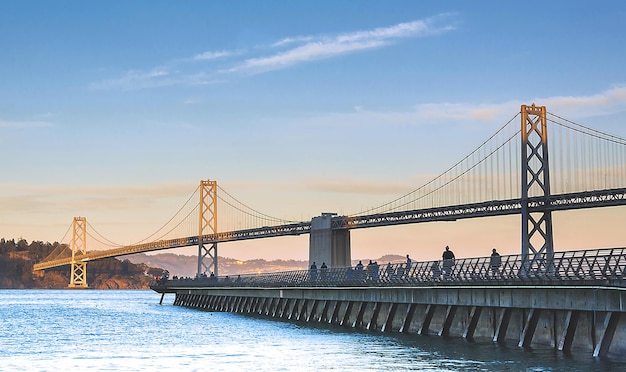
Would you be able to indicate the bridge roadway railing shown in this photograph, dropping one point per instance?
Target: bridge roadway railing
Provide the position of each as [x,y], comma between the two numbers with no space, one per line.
[605,267]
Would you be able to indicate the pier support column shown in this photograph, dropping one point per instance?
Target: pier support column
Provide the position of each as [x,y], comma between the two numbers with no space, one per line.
[571,322]
[471,327]
[608,331]
[327,245]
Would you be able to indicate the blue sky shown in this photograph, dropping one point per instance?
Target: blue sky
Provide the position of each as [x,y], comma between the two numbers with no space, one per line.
[116,110]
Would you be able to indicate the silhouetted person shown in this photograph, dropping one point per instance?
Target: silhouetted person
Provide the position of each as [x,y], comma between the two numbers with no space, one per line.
[495,262]
[376,268]
[407,267]
[359,270]
[448,262]
[313,271]
[323,270]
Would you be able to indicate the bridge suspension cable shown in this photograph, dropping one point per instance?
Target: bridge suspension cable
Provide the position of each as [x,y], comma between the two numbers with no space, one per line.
[239,216]
[588,159]
[185,217]
[99,237]
[489,172]
[62,250]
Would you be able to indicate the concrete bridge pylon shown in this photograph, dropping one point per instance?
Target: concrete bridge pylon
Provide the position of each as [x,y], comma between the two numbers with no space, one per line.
[327,245]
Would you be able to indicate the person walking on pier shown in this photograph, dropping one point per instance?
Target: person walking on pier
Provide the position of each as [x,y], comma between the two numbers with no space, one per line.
[313,271]
[369,271]
[323,270]
[495,262]
[359,271]
[375,270]
[407,267]
[448,262]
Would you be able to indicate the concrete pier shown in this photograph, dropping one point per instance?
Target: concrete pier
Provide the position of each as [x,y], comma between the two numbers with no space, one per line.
[586,319]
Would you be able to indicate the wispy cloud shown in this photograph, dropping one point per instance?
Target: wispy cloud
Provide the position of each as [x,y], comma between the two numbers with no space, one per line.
[135,79]
[607,102]
[155,78]
[323,47]
[293,40]
[207,66]
[210,55]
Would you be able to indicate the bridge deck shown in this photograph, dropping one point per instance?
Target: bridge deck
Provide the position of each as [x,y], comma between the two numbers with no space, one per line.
[580,200]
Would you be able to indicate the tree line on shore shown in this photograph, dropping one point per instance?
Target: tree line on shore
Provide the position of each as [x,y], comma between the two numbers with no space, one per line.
[18,257]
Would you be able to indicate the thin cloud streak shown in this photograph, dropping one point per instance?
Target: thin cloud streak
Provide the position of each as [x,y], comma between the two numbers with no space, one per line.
[135,79]
[303,49]
[608,102]
[309,52]
[605,103]
[210,55]
[316,48]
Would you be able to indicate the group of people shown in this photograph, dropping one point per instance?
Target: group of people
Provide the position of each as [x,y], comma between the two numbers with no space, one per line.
[322,271]
[448,258]
[372,270]
[369,272]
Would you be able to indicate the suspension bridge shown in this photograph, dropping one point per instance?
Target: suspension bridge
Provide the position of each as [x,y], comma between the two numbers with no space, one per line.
[510,173]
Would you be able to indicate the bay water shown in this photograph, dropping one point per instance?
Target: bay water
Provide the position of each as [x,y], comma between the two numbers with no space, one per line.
[95,330]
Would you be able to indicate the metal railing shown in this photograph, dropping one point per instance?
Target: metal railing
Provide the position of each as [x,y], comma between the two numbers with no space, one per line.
[587,267]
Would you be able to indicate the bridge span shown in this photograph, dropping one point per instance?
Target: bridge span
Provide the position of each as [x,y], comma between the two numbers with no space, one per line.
[595,199]
[501,177]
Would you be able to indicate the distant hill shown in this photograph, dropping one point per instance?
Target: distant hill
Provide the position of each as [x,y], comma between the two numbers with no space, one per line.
[187,266]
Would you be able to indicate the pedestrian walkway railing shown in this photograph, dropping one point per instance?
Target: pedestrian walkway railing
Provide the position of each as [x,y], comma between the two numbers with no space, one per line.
[587,267]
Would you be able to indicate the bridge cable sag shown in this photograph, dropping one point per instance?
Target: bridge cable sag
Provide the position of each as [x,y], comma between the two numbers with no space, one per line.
[258,214]
[114,244]
[110,243]
[443,173]
[61,249]
[172,218]
[591,132]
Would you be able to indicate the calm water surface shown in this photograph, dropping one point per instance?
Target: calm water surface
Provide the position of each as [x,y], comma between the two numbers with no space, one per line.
[82,330]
